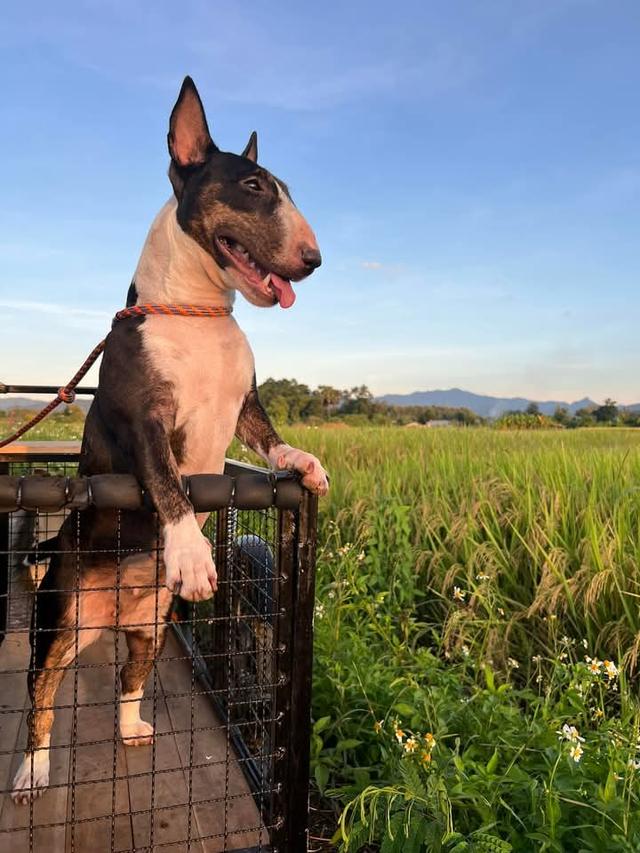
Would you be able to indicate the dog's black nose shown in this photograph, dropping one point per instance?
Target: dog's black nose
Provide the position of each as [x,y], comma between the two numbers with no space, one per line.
[311,258]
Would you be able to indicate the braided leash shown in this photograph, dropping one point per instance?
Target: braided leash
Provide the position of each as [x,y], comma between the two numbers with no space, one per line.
[67,393]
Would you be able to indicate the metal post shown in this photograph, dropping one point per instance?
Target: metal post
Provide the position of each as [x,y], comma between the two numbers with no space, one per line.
[4,563]
[301,676]
[221,605]
[283,645]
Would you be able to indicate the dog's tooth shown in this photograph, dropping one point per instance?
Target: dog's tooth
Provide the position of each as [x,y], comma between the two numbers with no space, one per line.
[267,279]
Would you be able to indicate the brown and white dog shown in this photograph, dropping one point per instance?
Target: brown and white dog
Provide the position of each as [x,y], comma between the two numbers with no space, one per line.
[173,392]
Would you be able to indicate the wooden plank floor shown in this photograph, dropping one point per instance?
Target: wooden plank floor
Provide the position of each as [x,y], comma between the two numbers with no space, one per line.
[132,813]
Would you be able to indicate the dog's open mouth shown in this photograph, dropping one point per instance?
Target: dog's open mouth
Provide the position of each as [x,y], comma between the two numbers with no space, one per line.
[268,283]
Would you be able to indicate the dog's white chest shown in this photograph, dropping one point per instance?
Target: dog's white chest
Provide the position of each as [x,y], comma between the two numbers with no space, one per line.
[209,363]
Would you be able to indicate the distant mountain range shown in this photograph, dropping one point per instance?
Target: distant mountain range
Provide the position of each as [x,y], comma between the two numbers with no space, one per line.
[455,398]
[33,403]
[486,406]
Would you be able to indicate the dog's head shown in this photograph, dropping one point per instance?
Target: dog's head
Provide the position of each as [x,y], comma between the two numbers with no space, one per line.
[237,211]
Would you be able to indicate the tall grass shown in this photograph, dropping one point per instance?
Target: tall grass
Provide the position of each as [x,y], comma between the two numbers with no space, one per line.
[480,588]
[553,518]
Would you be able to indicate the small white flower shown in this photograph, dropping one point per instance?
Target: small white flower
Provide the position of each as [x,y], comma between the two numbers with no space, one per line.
[513,663]
[570,733]
[576,752]
[458,594]
[465,651]
[411,744]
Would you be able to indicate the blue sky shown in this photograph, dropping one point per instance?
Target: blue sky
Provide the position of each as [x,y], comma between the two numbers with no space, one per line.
[471,170]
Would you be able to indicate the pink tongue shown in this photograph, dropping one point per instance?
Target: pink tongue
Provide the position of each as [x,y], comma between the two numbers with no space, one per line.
[283,290]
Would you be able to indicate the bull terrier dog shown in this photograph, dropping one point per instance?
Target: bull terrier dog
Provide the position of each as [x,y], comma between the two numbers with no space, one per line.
[172,393]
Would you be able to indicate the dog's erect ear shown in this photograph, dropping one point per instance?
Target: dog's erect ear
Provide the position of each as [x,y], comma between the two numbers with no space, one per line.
[189,139]
[251,151]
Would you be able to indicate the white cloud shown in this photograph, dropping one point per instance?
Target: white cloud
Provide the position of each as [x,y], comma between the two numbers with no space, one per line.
[54,308]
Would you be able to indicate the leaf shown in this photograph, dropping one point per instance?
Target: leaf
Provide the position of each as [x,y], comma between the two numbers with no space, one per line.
[417,834]
[459,763]
[357,838]
[321,776]
[413,780]
[492,763]
[361,777]
[404,709]
[489,678]
[347,743]
[321,724]
[395,838]
[484,843]
[609,792]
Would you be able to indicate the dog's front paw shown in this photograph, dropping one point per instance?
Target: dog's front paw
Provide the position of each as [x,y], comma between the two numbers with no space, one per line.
[32,777]
[314,477]
[138,733]
[189,567]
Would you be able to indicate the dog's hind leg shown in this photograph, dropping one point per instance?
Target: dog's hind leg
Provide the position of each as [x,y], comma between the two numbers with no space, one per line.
[53,651]
[144,645]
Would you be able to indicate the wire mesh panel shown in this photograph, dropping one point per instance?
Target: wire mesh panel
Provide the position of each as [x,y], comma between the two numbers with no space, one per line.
[133,721]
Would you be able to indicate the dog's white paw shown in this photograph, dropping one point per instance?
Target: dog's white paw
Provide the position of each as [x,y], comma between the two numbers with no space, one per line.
[134,731]
[139,733]
[32,777]
[314,477]
[189,567]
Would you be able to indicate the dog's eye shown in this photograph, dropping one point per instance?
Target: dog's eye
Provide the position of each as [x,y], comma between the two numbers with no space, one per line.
[252,184]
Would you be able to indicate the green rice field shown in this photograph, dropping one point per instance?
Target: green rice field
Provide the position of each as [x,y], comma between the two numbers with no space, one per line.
[478,639]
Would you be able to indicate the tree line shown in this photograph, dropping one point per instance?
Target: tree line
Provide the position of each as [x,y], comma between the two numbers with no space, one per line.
[608,414]
[288,401]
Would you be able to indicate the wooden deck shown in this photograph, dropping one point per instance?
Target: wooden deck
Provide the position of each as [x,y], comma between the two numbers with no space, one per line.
[83,818]
[44,449]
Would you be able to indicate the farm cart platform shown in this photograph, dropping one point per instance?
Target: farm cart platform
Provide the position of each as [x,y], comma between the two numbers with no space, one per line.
[229,696]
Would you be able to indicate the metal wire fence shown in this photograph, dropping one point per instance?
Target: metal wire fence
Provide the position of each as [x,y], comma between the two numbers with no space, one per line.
[213,755]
